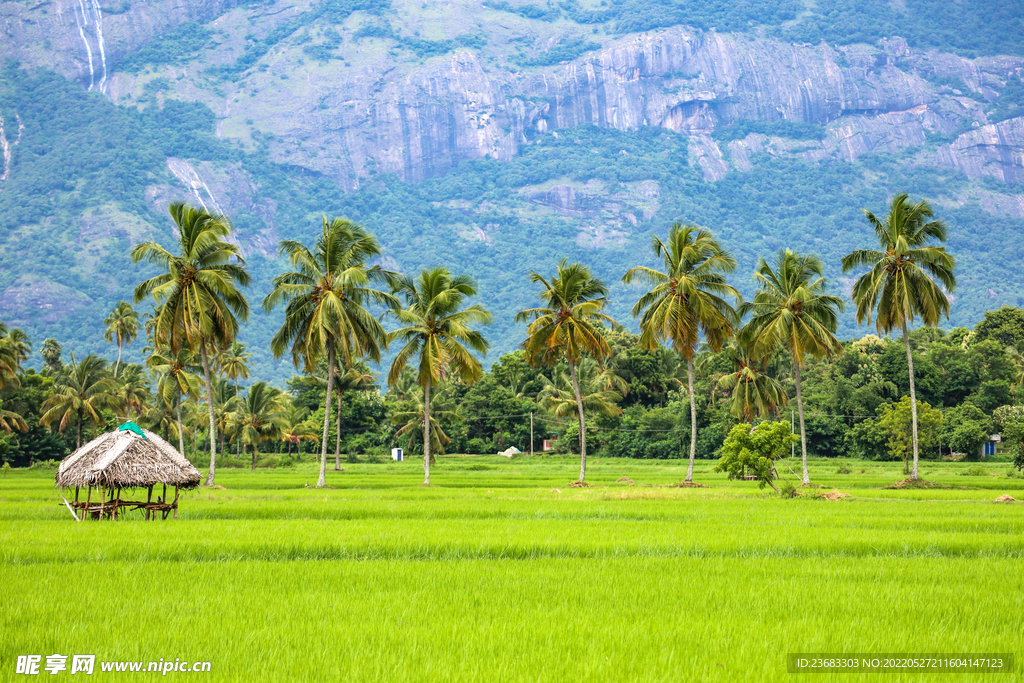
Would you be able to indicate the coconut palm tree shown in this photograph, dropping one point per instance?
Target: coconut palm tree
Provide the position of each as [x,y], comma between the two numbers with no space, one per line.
[122,328]
[199,303]
[754,392]
[326,296]
[295,429]
[10,420]
[687,301]
[436,331]
[132,390]
[412,421]
[259,416]
[600,390]
[80,391]
[567,327]
[176,377]
[357,378]
[791,310]
[15,349]
[901,283]
[234,363]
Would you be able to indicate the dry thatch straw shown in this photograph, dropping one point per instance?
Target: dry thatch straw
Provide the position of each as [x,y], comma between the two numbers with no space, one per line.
[123,459]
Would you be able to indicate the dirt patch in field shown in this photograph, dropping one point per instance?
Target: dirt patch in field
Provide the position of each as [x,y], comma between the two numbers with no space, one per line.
[834,495]
[688,485]
[1005,499]
[556,490]
[580,485]
[217,487]
[625,480]
[916,484]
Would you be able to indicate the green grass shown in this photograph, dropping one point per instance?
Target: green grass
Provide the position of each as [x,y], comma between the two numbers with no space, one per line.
[490,575]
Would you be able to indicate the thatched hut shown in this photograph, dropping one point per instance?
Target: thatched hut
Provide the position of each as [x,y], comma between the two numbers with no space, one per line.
[128,458]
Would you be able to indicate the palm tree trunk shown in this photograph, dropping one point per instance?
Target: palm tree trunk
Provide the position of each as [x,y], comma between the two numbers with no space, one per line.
[800,410]
[322,481]
[181,432]
[337,437]
[693,419]
[426,432]
[78,437]
[913,398]
[118,363]
[238,444]
[583,426]
[195,442]
[213,422]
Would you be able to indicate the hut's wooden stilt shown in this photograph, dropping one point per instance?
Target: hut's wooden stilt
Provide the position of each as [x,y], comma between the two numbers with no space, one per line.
[88,499]
[175,502]
[164,501]
[103,499]
[76,494]
[149,499]
[117,504]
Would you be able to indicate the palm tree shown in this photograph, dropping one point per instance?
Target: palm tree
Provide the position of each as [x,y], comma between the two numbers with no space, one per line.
[791,310]
[566,327]
[10,420]
[295,429]
[687,301]
[412,421]
[259,416]
[899,286]
[234,362]
[326,295]
[600,390]
[122,328]
[357,378]
[198,297]
[80,391]
[176,376]
[132,389]
[14,350]
[754,391]
[51,352]
[436,328]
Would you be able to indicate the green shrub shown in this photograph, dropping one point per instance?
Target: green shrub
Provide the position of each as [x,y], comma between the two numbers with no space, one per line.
[843,469]
[976,471]
[44,465]
[787,489]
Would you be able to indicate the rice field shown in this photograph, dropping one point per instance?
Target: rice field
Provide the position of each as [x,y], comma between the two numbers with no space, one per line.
[501,572]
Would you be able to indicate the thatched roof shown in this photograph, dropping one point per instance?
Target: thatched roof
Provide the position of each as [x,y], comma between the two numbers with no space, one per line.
[126,460]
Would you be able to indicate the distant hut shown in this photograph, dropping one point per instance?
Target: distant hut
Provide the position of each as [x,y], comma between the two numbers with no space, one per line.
[128,458]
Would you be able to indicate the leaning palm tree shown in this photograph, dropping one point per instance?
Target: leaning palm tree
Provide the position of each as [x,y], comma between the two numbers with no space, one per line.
[80,391]
[436,330]
[687,301]
[567,327]
[326,296]
[199,304]
[122,328]
[132,390]
[899,286]
[259,416]
[791,310]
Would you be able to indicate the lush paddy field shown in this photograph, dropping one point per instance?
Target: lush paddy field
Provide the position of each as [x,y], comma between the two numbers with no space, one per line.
[493,575]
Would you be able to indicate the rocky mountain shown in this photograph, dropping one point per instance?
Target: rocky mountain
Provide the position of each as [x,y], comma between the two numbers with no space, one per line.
[373,108]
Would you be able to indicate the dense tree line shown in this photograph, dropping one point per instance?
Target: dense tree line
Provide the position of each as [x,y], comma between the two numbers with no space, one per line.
[705,359]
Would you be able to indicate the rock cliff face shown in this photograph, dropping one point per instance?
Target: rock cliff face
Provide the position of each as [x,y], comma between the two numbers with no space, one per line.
[375,109]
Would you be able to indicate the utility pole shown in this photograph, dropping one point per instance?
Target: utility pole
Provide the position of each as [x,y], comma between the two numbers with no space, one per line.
[531,433]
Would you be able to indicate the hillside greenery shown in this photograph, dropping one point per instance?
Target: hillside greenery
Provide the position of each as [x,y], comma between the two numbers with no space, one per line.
[81,154]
